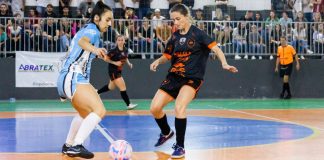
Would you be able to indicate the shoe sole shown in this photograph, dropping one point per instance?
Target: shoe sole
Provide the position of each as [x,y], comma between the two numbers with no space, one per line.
[165,141]
[177,157]
[78,155]
[128,108]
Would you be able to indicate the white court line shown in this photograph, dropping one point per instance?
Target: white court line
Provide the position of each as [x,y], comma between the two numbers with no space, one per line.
[267,117]
[105,134]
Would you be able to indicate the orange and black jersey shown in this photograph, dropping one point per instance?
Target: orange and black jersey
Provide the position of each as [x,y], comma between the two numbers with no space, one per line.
[117,55]
[189,52]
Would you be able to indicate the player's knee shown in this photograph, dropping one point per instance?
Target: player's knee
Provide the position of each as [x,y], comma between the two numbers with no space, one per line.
[100,111]
[180,110]
[155,110]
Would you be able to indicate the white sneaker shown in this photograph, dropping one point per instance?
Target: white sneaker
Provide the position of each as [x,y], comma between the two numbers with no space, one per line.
[253,58]
[260,57]
[302,57]
[237,57]
[131,106]
[246,57]
[271,57]
[309,51]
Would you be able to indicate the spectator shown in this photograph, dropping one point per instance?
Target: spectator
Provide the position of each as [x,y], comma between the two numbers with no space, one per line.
[18,6]
[145,37]
[275,39]
[300,17]
[49,11]
[216,27]
[199,15]
[66,12]
[122,29]
[28,32]
[271,21]
[255,42]
[109,38]
[317,17]
[318,39]
[297,7]
[164,33]
[248,16]
[144,8]
[4,13]
[41,6]
[51,32]
[239,40]
[133,38]
[318,6]
[285,20]
[3,38]
[259,22]
[307,9]
[14,42]
[300,39]
[130,14]
[157,19]
[84,7]
[65,34]
[63,4]
[33,17]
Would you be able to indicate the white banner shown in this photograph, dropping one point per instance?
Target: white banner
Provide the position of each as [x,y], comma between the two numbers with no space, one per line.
[37,69]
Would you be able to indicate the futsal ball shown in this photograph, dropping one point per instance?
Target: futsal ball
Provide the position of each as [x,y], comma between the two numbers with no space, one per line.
[120,150]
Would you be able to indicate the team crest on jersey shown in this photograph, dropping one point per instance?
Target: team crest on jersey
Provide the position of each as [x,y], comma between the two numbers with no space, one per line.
[122,53]
[191,43]
[182,41]
[90,31]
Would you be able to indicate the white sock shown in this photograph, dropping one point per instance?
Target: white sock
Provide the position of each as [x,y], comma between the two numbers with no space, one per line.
[87,126]
[75,125]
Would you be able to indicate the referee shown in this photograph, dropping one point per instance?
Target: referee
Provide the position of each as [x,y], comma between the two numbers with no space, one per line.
[285,59]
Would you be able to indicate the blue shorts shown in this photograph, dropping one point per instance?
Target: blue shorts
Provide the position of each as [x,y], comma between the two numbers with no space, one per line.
[67,81]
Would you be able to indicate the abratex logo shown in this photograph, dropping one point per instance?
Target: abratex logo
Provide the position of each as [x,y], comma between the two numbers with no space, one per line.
[35,68]
[182,41]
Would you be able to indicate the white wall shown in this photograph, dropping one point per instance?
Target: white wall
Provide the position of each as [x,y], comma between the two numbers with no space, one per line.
[251,4]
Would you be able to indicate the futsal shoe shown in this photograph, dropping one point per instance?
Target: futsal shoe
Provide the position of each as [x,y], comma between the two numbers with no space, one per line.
[163,138]
[79,151]
[178,152]
[65,148]
[131,106]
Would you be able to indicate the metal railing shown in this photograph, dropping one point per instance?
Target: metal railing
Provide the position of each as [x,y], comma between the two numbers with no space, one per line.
[148,38]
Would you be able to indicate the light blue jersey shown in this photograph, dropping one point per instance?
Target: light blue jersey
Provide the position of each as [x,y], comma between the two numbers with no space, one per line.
[77,66]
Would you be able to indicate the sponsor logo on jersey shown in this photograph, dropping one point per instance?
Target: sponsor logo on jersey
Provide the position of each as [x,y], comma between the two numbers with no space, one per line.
[182,41]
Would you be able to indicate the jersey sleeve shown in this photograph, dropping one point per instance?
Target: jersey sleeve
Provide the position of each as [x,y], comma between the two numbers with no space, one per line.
[92,34]
[169,48]
[206,40]
[293,51]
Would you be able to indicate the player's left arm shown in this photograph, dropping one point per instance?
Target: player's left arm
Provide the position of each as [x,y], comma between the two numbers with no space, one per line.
[129,64]
[297,60]
[219,53]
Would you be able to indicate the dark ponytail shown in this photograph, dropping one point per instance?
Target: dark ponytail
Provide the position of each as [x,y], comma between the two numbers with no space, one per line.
[99,9]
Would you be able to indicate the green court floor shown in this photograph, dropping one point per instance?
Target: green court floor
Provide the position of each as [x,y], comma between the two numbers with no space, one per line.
[114,105]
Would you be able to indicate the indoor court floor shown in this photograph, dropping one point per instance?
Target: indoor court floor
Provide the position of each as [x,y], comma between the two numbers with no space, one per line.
[239,129]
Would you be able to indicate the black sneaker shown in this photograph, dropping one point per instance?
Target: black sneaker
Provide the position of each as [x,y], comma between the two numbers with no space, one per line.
[163,138]
[65,148]
[79,151]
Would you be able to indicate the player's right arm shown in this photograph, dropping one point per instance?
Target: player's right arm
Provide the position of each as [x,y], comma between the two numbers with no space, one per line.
[163,59]
[85,44]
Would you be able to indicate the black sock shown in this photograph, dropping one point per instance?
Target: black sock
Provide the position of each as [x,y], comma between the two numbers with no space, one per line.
[180,126]
[125,97]
[163,124]
[103,89]
[288,88]
[283,88]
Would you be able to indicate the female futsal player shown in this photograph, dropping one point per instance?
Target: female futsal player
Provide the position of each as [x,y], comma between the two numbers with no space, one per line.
[117,57]
[73,82]
[188,50]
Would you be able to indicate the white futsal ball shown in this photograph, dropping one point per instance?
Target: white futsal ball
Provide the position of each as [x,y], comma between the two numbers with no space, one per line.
[120,150]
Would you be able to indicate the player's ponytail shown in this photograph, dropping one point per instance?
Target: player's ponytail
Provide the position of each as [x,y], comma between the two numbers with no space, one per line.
[182,9]
[99,9]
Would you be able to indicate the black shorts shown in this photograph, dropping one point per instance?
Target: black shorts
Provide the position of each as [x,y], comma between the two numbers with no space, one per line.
[173,83]
[285,70]
[114,75]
